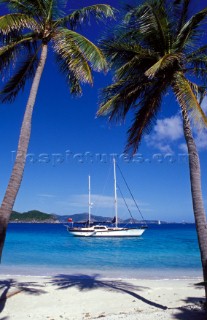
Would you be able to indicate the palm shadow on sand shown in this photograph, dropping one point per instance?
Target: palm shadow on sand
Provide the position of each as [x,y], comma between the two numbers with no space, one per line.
[86,282]
[193,308]
[14,287]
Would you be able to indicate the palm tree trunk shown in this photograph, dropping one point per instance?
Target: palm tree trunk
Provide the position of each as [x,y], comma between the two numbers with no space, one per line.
[19,164]
[198,207]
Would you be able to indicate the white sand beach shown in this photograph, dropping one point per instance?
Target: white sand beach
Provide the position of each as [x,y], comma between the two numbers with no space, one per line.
[73,297]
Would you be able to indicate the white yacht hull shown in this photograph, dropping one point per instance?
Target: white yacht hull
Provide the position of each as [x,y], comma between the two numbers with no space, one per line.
[111,232]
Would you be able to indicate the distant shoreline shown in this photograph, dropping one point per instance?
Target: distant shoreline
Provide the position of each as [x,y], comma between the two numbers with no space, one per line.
[161,274]
[36,216]
[38,222]
[61,222]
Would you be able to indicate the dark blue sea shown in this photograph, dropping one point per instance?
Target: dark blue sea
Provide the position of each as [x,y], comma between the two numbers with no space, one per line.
[163,251]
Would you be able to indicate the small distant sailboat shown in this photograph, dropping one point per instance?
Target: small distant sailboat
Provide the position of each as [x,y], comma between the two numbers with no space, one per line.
[158,222]
[101,230]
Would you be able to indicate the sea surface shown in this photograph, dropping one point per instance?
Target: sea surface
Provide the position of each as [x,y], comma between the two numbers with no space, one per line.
[164,251]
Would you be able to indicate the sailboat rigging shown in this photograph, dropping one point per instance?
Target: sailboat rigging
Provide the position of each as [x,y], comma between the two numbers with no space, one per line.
[97,230]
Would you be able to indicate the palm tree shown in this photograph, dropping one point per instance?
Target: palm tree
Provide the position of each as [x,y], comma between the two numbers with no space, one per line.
[156,48]
[26,33]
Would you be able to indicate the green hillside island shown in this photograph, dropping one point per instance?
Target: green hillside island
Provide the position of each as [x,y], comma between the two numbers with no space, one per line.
[33,216]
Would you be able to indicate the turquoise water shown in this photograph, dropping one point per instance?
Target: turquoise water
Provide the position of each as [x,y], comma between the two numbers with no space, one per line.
[163,251]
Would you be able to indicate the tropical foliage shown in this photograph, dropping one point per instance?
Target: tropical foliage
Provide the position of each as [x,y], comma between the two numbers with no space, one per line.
[32,24]
[156,48]
[27,30]
[30,216]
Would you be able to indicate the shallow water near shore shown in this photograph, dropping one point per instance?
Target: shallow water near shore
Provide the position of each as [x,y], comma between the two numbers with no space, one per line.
[167,251]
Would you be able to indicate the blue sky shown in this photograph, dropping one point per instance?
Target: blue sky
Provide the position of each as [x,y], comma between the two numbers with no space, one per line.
[68,142]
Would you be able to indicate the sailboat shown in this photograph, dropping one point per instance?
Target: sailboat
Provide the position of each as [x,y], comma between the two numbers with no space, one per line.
[101,230]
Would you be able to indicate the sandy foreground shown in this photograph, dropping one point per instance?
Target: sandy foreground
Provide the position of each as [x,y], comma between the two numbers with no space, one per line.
[74,297]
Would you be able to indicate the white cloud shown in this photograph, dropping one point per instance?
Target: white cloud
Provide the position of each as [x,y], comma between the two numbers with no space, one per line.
[165,132]
[201,139]
[183,147]
[101,205]
[169,131]
[102,201]
[169,128]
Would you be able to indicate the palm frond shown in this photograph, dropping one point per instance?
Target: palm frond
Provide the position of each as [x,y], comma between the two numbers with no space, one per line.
[9,53]
[189,29]
[197,63]
[117,99]
[137,65]
[57,9]
[16,21]
[181,8]
[17,82]
[12,44]
[14,5]
[73,57]
[78,17]
[197,53]
[144,118]
[33,8]
[51,6]
[199,91]
[186,96]
[71,44]
[120,52]
[198,68]
[151,24]
[73,82]
[143,95]
[166,62]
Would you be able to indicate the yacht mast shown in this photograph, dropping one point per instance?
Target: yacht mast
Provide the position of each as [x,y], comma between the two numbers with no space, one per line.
[89,200]
[115,195]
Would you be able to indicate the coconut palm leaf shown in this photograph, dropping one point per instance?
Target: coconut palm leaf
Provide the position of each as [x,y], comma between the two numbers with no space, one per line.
[117,99]
[190,29]
[25,71]
[201,51]
[51,9]
[198,67]
[56,9]
[186,93]
[99,12]
[16,21]
[198,91]
[144,48]
[15,4]
[145,117]
[165,63]
[113,49]
[181,8]
[197,63]
[13,44]
[35,7]
[128,69]
[125,52]
[73,57]
[77,51]
[10,52]
[73,82]
[149,22]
